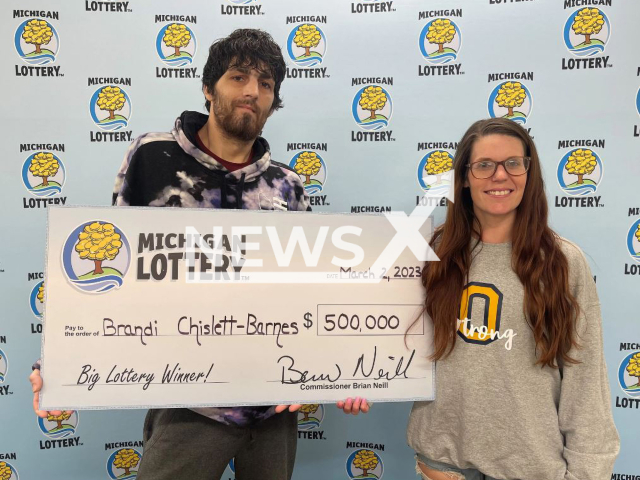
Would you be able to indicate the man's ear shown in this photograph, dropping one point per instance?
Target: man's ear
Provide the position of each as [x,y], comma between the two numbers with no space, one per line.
[207,94]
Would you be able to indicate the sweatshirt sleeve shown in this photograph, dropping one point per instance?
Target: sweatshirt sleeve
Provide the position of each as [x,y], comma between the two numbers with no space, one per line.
[304,205]
[591,441]
[124,187]
[300,196]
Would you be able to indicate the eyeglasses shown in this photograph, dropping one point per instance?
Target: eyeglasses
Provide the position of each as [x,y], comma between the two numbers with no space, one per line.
[487,168]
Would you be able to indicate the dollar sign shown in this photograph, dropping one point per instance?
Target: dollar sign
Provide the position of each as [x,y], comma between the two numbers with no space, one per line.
[307,320]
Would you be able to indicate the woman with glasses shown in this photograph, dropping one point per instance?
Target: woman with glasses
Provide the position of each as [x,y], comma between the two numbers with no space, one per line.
[521,382]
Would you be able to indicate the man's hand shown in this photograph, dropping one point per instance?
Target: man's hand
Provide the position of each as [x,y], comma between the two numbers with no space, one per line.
[354,406]
[291,408]
[36,386]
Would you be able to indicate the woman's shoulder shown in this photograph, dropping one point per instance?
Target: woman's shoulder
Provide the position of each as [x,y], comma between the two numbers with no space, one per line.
[569,248]
[576,259]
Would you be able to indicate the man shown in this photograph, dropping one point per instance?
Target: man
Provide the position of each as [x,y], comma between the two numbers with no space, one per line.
[218,161]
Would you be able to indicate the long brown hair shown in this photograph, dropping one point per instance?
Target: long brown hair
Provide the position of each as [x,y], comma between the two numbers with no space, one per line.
[537,259]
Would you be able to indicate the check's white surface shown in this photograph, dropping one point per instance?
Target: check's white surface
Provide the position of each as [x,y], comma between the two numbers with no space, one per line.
[166,341]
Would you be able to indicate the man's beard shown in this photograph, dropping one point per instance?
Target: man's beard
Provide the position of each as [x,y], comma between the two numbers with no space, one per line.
[244,126]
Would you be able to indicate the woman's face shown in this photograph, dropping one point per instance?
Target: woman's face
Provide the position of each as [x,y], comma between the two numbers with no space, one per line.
[497,197]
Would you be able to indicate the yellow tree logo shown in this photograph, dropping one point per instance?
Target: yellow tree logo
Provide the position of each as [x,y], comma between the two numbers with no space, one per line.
[365,460]
[438,164]
[44,165]
[5,471]
[36,300]
[176,35]
[126,459]
[633,368]
[99,242]
[638,233]
[587,22]
[307,410]
[59,418]
[37,32]
[308,164]
[511,95]
[307,36]
[373,98]
[441,31]
[111,99]
[581,162]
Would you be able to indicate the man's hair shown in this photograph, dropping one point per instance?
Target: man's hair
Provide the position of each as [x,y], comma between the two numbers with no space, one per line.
[245,47]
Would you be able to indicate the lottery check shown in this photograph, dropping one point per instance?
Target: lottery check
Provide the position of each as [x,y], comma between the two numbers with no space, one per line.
[161,307]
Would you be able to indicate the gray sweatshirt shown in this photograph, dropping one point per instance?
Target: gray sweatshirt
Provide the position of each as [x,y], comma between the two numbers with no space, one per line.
[495,410]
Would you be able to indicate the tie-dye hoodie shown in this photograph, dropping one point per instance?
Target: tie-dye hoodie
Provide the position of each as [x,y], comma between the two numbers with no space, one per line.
[168,170]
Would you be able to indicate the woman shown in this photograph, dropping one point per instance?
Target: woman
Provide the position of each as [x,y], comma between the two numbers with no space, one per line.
[521,382]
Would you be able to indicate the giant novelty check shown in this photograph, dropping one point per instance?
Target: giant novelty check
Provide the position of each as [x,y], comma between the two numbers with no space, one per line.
[150,307]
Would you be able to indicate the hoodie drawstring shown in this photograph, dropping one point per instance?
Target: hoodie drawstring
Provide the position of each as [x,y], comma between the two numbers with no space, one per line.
[239,191]
[223,192]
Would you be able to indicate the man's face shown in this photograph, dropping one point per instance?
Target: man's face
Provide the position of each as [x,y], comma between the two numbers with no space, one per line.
[241,102]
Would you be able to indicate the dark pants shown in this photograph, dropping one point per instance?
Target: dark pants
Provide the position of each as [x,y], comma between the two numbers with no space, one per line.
[182,444]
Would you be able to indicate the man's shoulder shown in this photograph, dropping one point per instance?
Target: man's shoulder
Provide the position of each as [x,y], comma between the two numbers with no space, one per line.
[153,147]
[284,167]
[151,138]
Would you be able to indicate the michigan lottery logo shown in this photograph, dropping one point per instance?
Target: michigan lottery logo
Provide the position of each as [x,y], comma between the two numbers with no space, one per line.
[307,45]
[440,41]
[312,170]
[122,464]
[36,300]
[43,174]
[59,426]
[511,100]
[310,416]
[580,172]
[435,172]
[633,241]
[37,42]
[4,366]
[96,257]
[372,107]
[364,464]
[110,108]
[8,472]
[587,32]
[629,375]
[176,45]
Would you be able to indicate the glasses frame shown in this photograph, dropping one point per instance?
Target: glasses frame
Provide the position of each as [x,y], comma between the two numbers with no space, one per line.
[527,164]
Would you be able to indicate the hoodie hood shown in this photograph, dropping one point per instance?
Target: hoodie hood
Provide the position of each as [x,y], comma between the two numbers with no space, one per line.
[186,128]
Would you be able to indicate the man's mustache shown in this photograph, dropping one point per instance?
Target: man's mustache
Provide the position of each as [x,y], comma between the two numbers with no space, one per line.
[250,103]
